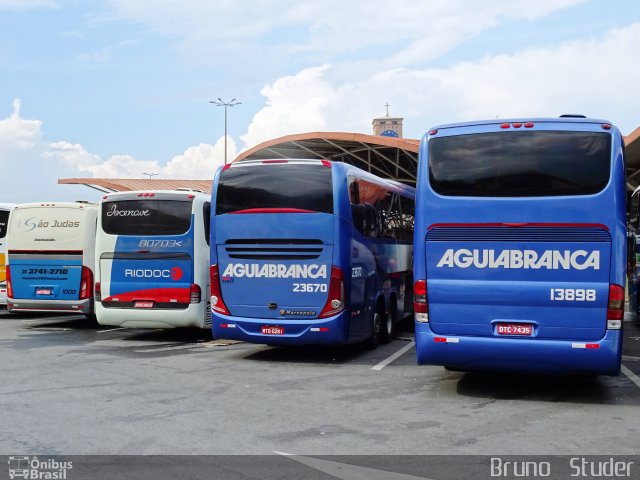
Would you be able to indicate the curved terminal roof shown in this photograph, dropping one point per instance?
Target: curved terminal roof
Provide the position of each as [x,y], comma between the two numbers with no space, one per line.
[394,158]
[109,185]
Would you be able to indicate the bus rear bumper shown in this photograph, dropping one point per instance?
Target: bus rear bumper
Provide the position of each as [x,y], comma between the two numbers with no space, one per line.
[192,316]
[55,306]
[562,357]
[302,331]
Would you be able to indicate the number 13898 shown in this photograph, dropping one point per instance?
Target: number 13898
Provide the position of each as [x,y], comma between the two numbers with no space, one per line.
[573,294]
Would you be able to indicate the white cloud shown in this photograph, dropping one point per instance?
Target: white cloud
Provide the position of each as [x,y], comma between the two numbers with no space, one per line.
[594,76]
[416,31]
[31,166]
[17,133]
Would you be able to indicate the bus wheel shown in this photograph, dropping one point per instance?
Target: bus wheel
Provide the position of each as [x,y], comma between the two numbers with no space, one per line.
[374,339]
[386,331]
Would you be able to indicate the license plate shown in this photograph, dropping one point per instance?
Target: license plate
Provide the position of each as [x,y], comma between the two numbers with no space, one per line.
[143,304]
[514,329]
[270,330]
[44,291]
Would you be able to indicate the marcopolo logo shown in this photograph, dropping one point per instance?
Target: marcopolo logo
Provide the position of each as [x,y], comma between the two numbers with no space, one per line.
[36,469]
[274,270]
[174,273]
[517,259]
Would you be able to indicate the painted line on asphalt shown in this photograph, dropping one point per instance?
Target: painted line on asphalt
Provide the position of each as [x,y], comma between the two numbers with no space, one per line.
[630,375]
[112,329]
[631,358]
[395,356]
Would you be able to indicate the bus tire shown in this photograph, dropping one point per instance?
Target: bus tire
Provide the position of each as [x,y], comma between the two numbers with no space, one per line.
[374,339]
[389,323]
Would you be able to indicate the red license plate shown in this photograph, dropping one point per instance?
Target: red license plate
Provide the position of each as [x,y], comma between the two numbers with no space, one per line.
[271,330]
[143,304]
[44,291]
[514,329]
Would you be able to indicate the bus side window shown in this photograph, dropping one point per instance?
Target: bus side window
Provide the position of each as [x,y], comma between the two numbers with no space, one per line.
[206,213]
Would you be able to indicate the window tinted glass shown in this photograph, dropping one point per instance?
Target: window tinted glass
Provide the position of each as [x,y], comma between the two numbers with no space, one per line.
[207,221]
[520,164]
[305,187]
[146,217]
[4,220]
[378,212]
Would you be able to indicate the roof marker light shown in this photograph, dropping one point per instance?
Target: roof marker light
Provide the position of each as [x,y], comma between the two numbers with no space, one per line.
[326,163]
[226,167]
[105,197]
[433,132]
[191,196]
[139,194]
[528,125]
[505,125]
[606,126]
[517,125]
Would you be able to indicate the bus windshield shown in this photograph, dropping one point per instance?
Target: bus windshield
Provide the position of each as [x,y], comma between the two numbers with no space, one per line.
[271,186]
[146,217]
[520,164]
[4,220]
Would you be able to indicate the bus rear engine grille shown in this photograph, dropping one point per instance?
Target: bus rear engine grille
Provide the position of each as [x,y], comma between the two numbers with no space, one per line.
[274,249]
[518,234]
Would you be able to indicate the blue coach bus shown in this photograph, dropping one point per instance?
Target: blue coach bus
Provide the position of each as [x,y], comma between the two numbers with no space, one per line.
[520,246]
[309,252]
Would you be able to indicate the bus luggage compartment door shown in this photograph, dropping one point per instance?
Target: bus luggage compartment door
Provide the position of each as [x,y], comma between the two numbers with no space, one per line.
[542,282]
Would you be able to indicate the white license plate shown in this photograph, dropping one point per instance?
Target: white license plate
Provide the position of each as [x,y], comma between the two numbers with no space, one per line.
[44,291]
[514,329]
[143,304]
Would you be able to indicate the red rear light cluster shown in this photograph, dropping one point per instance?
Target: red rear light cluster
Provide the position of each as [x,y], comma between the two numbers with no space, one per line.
[86,283]
[420,305]
[217,304]
[195,294]
[615,307]
[9,287]
[335,300]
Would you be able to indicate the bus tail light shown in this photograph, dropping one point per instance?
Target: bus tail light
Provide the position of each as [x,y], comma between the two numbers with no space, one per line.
[9,287]
[86,283]
[420,305]
[217,303]
[195,294]
[615,308]
[98,292]
[335,299]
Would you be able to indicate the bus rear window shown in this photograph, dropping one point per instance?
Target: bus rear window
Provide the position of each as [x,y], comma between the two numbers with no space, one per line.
[520,164]
[274,186]
[4,220]
[146,217]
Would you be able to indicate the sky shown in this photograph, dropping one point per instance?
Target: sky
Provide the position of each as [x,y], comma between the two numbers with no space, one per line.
[116,88]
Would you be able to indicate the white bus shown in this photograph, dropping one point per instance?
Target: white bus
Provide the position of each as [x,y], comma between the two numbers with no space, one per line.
[153,260]
[5,209]
[51,250]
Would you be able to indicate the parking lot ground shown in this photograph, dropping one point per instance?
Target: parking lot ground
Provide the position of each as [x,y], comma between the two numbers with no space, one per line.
[68,386]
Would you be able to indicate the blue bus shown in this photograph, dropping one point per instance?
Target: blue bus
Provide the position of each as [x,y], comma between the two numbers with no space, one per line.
[309,252]
[520,246]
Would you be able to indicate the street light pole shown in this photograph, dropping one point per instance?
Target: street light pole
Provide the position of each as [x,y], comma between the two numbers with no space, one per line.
[221,103]
[150,174]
